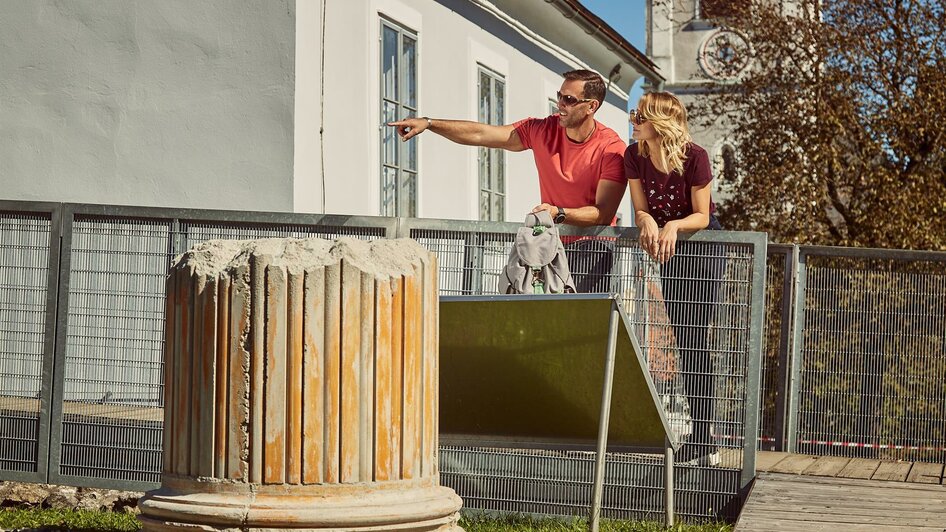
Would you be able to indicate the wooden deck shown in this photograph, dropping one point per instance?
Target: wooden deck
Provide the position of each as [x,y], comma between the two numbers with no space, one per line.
[854,468]
[814,493]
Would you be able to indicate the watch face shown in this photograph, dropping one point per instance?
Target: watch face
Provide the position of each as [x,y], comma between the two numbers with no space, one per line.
[724,54]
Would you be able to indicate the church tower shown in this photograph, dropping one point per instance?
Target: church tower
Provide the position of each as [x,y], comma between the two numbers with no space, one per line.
[694,52]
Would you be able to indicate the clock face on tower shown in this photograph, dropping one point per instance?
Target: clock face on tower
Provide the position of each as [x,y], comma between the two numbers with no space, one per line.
[724,54]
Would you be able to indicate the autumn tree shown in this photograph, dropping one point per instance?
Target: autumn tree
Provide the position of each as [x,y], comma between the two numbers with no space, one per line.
[839,123]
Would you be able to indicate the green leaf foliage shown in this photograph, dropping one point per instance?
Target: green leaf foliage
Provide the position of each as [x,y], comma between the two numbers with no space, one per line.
[839,124]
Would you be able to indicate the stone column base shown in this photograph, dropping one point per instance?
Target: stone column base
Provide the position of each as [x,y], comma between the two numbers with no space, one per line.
[337,508]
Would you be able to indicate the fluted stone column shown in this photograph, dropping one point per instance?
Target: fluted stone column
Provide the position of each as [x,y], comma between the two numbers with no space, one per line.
[302,389]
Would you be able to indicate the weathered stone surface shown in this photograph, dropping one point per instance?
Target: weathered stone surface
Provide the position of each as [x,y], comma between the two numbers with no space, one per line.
[64,497]
[67,497]
[23,493]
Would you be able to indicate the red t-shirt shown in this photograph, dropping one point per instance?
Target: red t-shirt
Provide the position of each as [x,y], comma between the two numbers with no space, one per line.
[668,195]
[569,172]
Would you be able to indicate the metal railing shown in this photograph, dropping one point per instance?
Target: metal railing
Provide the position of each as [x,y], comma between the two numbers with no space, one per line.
[699,321]
[854,349]
[866,363]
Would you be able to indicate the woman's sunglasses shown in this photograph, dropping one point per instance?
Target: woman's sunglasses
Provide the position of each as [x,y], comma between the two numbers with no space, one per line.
[568,100]
[636,117]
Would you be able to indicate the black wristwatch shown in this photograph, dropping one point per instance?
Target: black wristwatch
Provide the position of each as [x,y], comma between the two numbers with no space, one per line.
[560,216]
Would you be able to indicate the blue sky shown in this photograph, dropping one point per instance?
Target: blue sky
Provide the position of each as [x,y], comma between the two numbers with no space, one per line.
[627,17]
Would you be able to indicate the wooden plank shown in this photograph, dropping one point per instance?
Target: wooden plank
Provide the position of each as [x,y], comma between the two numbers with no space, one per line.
[294,378]
[222,376]
[332,364]
[804,485]
[366,380]
[197,342]
[410,456]
[794,502]
[879,522]
[258,265]
[397,374]
[184,348]
[765,460]
[794,464]
[207,379]
[349,466]
[313,390]
[786,520]
[239,368]
[26,406]
[895,471]
[730,458]
[841,495]
[783,523]
[430,359]
[274,451]
[383,399]
[925,473]
[170,377]
[827,466]
[859,468]
[857,501]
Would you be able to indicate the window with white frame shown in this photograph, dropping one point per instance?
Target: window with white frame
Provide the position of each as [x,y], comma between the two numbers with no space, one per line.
[728,173]
[398,100]
[492,161]
[553,107]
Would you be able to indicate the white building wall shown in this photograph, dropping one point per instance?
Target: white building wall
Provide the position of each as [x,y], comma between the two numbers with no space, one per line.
[450,46]
[167,103]
[249,106]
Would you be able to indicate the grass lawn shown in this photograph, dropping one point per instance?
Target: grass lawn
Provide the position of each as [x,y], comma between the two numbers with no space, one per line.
[58,519]
[87,521]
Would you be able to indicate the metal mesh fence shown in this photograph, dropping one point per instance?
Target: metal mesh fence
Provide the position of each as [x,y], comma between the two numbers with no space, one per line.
[692,319]
[771,338]
[870,360]
[24,270]
[196,232]
[113,375]
[469,262]
[112,413]
[873,359]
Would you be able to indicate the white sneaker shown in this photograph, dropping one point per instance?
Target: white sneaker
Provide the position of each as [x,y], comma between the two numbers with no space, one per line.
[707,460]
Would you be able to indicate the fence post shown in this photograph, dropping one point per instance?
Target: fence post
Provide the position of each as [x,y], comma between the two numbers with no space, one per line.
[783,379]
[800,269]
[754,359]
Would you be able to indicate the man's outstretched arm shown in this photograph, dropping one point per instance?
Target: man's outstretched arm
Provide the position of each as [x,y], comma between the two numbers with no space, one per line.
[462,132]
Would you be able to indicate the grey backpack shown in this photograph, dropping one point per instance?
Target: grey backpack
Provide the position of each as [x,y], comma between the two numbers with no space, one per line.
[537,263]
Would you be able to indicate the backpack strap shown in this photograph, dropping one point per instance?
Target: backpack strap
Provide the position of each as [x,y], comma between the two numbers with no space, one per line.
[541,218]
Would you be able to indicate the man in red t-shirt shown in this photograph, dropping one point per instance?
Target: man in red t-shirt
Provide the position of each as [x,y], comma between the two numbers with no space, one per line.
[580,160]
[580,163]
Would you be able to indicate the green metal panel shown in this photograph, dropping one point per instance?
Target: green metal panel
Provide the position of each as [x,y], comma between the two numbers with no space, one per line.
[529,370]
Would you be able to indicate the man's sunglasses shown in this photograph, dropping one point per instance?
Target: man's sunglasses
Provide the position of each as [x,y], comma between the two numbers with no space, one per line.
[568,100]
[636,117]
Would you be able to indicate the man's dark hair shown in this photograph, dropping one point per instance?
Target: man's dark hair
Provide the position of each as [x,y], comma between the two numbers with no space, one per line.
[594,84]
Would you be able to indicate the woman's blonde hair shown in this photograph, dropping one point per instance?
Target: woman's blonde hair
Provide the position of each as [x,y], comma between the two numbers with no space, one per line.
[669,117]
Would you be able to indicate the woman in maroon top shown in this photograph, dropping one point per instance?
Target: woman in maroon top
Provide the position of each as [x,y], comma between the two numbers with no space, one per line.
[669,177]
[668,174]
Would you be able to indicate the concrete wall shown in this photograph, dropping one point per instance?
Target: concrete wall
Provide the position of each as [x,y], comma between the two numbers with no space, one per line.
[453,37]
[173,103]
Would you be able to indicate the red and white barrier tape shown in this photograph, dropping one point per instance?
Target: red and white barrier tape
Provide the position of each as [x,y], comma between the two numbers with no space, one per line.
[852,444]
